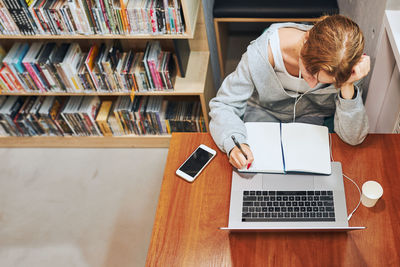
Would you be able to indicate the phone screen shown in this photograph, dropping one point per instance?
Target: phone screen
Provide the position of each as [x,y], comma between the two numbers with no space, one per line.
[196,162]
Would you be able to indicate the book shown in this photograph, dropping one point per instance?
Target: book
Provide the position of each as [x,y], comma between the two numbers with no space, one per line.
[29,126]
[102,118]
[69,65]
[87,112]
[8,112]
[13,77]
[56,61]
[53,71]
[28,63]
[33,115]
[288,147]
[60,17]
[20,70]
[3,128]
[43,60]
[19,13]
[45,119]
[19,120]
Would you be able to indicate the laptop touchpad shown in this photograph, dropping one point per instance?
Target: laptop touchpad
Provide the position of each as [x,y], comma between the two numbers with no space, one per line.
[290,182]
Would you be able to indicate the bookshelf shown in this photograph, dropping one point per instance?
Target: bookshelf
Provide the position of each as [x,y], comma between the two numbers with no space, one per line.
[195,86]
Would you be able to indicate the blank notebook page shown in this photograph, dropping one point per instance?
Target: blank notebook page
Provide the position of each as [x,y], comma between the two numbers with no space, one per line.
[306,148]
[265,143]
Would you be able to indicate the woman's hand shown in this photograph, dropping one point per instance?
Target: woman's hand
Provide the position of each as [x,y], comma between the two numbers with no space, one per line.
[237,159]
[359,71]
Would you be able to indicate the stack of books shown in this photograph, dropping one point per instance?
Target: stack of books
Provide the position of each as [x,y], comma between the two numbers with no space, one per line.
[89,116]
[47,67]
[155,115]
[91,17]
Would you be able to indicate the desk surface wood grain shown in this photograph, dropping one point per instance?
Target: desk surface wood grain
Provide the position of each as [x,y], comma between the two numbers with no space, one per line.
[186,227]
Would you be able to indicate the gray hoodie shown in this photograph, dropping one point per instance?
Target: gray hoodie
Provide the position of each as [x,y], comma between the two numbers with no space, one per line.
[255,83]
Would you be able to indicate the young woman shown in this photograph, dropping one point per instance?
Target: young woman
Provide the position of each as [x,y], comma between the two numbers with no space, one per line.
[294,72]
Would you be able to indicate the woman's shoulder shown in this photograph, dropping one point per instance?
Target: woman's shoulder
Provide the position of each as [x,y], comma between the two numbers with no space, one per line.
[264,38]
[259,49]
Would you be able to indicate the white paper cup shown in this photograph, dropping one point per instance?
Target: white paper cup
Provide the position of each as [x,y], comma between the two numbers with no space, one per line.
[371,192]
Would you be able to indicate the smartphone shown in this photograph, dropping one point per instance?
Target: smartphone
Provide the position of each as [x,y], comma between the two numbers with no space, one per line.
[196,162]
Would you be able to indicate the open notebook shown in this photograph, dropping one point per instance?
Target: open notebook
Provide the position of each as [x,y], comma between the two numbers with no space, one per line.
[288,147]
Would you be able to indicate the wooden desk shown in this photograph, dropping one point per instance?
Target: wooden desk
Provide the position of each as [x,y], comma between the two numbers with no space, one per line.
[188,216]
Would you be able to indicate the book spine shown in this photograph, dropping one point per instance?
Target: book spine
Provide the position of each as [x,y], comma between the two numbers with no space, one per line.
[153,18]
[11,26]
[49,20]
[91,17]
[105,17]
[166,15]
[12,76]
[64,77]
[119,121]
[130,16]
[61,27]
[70,18]
[25,17]
[14,12]
[36,20]
[31,20]
[42,77]
[124,17]
[66,119]
[23,80]
[6,80]
[108,14]
[83,19]
[103,129]
[87,13]
[43,20]
[35,75]
[66,22]
[3,84]
[53,72]
[74,14]
[28,81]
[154,75]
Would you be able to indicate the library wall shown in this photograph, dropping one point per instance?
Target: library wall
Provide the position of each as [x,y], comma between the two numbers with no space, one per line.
[368,15]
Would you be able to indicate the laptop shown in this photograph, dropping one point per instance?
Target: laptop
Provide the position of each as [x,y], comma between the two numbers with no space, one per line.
[288,202]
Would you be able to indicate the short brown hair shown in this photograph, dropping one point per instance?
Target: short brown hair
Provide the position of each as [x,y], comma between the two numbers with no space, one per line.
[335,44]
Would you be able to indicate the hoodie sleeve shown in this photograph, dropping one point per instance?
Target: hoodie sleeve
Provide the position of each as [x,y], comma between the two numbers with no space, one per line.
[351,122]
[228,107]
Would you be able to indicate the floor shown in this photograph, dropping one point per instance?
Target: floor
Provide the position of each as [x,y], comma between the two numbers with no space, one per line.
[78,207]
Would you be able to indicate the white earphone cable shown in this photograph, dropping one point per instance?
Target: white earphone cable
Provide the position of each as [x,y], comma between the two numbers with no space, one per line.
[348,178]
[297,99]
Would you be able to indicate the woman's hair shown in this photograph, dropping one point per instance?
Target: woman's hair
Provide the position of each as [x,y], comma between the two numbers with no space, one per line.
[335,44]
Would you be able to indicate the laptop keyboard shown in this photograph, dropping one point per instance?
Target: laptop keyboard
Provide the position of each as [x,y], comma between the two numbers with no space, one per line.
[288,206]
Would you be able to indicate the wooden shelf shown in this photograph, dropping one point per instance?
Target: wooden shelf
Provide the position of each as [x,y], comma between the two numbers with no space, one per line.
[192,84]
[197,82]
[97,36]
[190,11]
[127,141]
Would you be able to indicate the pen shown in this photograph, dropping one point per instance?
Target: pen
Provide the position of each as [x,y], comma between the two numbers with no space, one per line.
[240,148]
